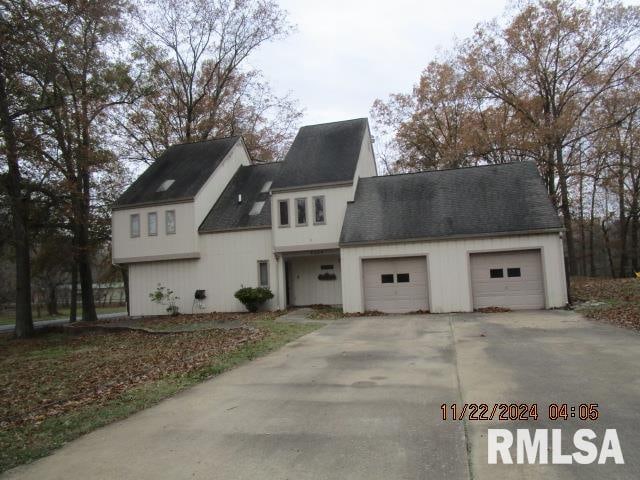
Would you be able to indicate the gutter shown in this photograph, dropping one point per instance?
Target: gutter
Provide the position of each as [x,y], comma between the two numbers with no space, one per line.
[129,206]
[453,237]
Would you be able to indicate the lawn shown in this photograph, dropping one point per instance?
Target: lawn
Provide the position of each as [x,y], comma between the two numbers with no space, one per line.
[58,386]
[10,319]
[612,300]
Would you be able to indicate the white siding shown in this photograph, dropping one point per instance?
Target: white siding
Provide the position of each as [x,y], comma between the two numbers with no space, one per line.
[228,262]
[189,215]
[211,190]
[449,269]
[366,162]
[310,236]
[184,241]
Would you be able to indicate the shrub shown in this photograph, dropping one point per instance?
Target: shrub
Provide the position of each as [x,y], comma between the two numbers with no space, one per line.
[165,296]
[252,298]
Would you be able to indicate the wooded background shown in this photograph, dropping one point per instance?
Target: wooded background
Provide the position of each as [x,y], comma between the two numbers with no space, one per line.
[92,90]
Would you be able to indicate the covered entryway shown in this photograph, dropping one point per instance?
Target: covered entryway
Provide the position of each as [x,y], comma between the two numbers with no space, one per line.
[313,280]
[507,279]
[395,285]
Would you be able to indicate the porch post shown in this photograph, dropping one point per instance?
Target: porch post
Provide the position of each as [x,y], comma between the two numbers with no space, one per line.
[281,296]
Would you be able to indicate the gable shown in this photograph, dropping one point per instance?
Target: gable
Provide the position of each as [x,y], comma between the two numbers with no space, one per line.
[322,154]
[178,174]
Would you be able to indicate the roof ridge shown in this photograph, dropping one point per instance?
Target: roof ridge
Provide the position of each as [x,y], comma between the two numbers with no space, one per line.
[228,137]
[336,121]
[451,169]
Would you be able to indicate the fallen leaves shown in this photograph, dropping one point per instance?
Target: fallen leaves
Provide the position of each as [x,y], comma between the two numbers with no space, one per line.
[55,373]
[612,300]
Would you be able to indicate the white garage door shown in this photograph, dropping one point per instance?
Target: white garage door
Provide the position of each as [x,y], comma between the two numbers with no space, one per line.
[395,285]
[508,279]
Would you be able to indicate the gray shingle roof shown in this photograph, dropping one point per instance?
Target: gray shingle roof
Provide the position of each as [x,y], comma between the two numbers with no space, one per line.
[228,214]
[189,164]
[462,202]
[325,153]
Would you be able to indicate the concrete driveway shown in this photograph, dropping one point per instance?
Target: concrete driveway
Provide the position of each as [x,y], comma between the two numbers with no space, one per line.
[360,399]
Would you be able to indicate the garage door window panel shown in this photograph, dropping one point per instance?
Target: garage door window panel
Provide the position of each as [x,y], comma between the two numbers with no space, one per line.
[513,272]
[403,278]
[386,278]
[496,273]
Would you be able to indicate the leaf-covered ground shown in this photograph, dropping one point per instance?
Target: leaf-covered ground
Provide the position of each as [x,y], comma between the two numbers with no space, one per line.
[59,385]
[612,300]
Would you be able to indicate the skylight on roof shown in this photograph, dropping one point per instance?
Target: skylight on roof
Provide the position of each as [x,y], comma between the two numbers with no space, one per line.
[257,208]
[164,186]
[266,187]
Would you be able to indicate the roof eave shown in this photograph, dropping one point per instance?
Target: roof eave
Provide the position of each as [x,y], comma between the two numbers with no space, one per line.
[173,201]
[539,231]
[312,186]
[235,229]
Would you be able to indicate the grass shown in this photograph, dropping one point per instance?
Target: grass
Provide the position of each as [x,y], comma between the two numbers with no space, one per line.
[29,440]
[10,318]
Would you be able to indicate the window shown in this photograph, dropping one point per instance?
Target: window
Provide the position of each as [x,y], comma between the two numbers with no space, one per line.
[283,206]
[403,278]
[266,187]
[301,212]
[326,267]
[263,273]
[164,186]
[386,278]
[135,225]
[496,273]
[152,224]
[257,208]
[170,221]
[318,210]
[513,272]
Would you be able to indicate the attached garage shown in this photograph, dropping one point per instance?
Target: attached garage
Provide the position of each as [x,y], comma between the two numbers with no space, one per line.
[395,285]
[507,279]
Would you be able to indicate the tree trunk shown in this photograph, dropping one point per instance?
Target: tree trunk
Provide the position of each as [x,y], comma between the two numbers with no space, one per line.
[52,301]
[634,241]
[623,221]
[19,216]
[592,225]
[566,211]
[84,203]
[73,302]
[607,244]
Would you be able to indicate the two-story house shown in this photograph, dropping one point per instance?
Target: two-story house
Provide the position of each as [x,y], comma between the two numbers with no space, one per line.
[321,227]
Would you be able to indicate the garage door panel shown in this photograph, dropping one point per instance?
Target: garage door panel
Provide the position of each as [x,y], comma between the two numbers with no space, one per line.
[517,292]
[396,297]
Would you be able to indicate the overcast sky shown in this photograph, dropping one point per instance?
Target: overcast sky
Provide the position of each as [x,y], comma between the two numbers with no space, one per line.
[347,53]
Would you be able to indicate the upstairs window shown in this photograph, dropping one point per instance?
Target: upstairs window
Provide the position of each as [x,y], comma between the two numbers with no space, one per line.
[318,210]
[301,212]
[283,209]
[170,221]
[134,225]
[152,224]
